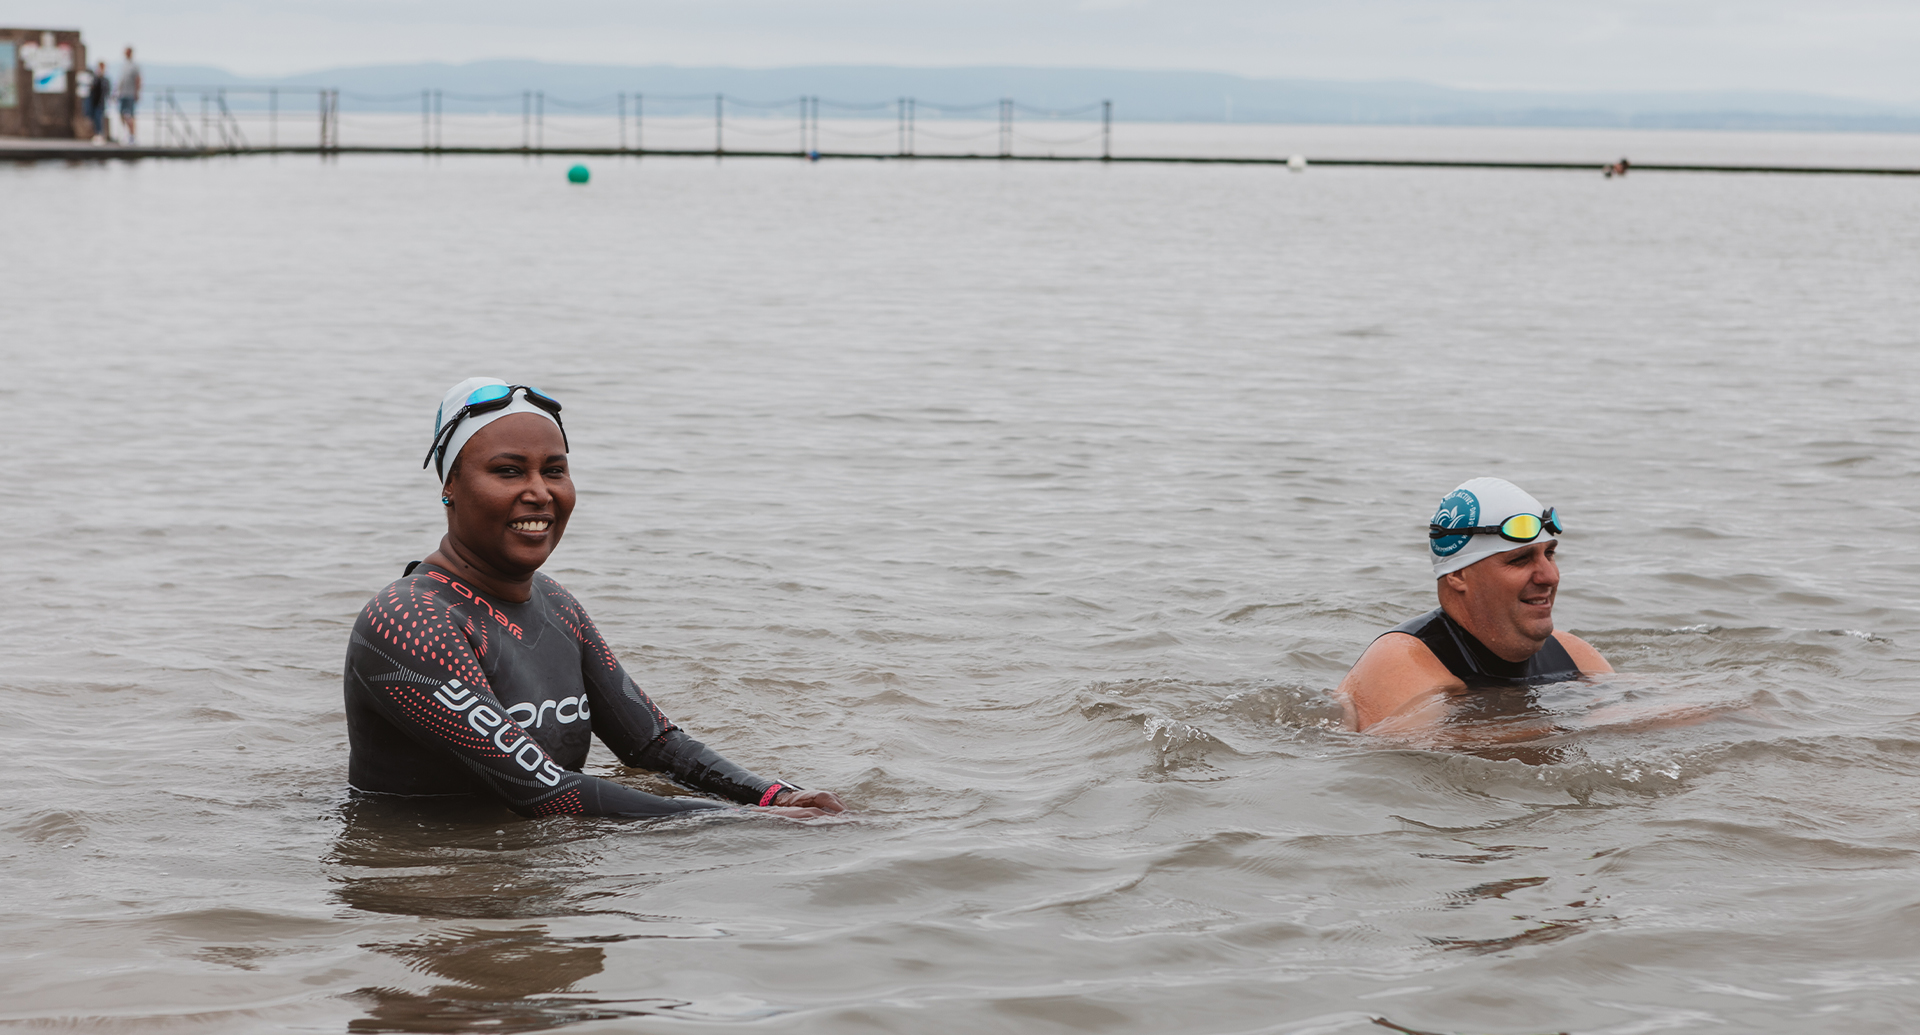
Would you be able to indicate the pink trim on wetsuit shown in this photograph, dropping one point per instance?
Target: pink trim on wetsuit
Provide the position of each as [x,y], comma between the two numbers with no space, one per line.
[772,793]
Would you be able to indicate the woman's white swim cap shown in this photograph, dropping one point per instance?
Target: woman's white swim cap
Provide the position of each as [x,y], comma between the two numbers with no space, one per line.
[1482,502]
[450,405]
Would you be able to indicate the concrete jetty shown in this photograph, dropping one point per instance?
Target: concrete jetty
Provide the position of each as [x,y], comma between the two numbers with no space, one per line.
[42,150]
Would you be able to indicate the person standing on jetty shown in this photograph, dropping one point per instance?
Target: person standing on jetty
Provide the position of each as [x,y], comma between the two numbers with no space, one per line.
[128,90]
[1493,551]
[474,673]
[96,104]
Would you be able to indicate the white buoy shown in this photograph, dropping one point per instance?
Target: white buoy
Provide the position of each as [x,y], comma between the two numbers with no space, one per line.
[1297,163]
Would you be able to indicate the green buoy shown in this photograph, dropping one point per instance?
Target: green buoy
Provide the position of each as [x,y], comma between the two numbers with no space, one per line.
[577,174]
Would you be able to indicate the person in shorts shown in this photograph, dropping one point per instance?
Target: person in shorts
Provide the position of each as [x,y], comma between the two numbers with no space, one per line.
[127,89]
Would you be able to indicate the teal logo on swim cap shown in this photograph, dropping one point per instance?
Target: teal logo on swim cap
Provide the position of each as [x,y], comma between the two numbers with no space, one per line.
[1461,509]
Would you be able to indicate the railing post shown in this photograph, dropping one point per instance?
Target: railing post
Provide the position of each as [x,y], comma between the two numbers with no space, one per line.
[526,120]
[1106,131]
[329,120]
[540,120]
[719,141]
[621,100]
[273,116]
[912,105]
[1006,127]
[901,131]
[639,123]
[426,120]
[232,137]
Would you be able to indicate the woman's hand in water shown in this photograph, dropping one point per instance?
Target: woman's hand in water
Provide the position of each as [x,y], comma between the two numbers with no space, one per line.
[817,803]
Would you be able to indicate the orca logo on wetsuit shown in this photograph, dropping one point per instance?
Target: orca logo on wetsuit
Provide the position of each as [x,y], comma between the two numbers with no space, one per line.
[485,721]
[566,709]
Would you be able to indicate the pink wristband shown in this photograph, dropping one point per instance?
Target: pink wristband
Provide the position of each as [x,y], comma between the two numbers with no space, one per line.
[772,793]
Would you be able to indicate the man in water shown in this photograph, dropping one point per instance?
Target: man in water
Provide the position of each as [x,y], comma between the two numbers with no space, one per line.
[1493,556]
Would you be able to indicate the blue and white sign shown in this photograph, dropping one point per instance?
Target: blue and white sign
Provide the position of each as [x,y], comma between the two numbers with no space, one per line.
[48,63]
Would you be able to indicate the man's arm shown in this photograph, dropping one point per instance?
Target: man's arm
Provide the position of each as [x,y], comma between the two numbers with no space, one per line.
[1589,660]
[1396,672]
[1399,684]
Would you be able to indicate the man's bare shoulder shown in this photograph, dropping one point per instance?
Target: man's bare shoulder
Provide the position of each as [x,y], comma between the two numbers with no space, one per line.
[1396,669]
[1583,653]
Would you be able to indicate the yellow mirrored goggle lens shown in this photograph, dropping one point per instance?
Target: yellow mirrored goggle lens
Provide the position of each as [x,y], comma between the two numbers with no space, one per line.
[1521,527]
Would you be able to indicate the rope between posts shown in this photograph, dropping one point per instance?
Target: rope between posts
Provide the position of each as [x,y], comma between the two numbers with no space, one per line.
[598,102]
[740,103]
[1084,109]
[922,131]
[984,106]
[844,106]
[552,126]
[1095,135]
[677,110]
[889,131]
[776,130]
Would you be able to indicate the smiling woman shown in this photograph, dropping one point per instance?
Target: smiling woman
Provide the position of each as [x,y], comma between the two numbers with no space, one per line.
[473,673]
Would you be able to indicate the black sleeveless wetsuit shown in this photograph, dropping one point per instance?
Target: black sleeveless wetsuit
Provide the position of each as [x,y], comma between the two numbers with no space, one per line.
[1480,668]
[450,691]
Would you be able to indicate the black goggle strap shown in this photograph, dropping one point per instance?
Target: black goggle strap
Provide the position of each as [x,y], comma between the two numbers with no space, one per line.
[533,395]
[1549,522]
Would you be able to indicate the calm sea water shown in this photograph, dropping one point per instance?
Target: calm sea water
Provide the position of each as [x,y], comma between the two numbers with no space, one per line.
[1035,510]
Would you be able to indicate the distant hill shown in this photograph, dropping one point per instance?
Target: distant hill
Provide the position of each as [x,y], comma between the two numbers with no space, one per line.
[1137,96]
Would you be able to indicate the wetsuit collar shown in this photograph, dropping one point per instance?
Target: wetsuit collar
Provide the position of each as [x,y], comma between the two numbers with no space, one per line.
[1483,656]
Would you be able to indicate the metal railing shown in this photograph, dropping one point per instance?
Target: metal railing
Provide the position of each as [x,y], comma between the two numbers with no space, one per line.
[236,119]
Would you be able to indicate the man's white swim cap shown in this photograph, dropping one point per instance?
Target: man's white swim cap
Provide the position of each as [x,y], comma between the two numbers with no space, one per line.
[1479,502]
[450,404]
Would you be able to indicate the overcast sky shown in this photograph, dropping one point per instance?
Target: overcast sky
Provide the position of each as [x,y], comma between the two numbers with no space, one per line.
[1860,48]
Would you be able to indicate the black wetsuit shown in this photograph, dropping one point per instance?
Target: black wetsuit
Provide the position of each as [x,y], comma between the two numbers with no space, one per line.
[450,691]
[1480,668]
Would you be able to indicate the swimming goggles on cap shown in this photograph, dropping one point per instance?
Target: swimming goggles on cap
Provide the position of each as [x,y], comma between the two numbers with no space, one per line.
[486,399]
[1520,528]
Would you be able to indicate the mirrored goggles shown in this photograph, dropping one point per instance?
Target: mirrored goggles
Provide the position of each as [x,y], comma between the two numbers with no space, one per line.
[1520,528]
[486,399]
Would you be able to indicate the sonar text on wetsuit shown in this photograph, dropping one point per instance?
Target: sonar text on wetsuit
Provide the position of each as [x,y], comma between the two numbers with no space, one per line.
[1470,660]
[451,692]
